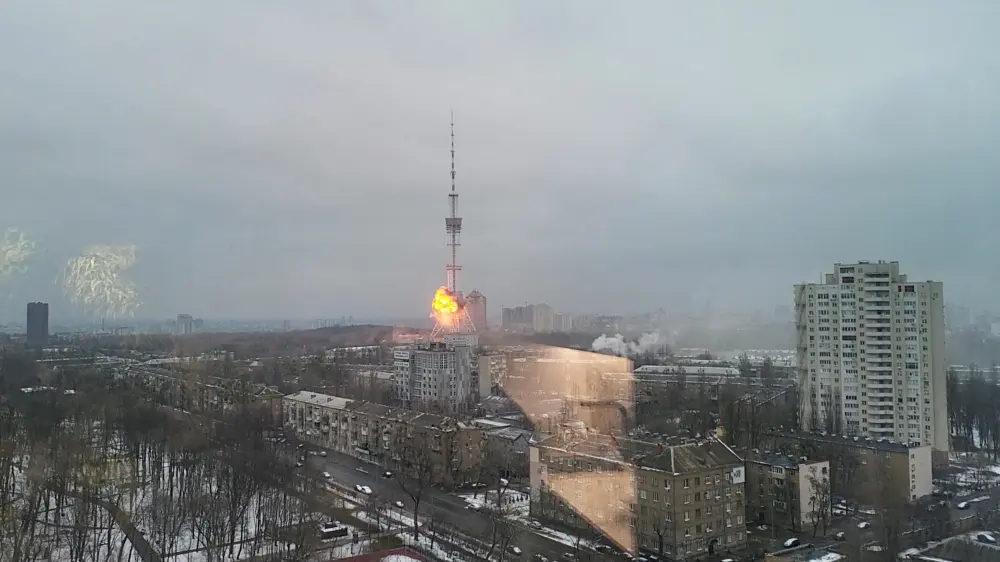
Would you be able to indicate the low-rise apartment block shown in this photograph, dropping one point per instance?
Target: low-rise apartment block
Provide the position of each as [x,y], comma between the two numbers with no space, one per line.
[683,501]
[862,468]
[451,450]
[787,492]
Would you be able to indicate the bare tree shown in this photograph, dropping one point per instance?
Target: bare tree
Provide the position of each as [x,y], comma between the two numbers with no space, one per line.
[819,501]
[414,470]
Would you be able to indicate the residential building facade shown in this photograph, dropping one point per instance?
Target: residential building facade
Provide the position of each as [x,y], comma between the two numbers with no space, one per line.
[862,467]
[787,491]
[451,452]
[683,501]
[870,350]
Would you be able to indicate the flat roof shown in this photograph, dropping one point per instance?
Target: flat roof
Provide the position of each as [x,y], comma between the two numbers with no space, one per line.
[846,440]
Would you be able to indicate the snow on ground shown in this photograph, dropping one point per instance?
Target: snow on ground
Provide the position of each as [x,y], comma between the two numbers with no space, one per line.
[399,558]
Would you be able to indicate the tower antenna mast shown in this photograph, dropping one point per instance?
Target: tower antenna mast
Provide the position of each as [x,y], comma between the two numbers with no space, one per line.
[453,227]
[453,223]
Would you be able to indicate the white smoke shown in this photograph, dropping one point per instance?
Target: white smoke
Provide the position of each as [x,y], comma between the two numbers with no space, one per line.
[617,345]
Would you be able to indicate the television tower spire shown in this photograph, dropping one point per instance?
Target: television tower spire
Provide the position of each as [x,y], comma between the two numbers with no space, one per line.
[453,223]
[461,322]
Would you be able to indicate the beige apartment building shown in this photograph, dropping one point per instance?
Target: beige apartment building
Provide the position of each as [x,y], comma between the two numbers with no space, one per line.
[786,491]
[871,355]
[862,468]
[681,501]
[451,450]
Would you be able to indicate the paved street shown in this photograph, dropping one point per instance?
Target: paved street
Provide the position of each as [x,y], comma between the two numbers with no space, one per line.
[445,507]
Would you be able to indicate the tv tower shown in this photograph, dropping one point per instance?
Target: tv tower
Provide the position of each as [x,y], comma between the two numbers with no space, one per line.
[460,321]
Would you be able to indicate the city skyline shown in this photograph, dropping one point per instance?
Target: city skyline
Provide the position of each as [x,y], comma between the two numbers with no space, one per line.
[296,161]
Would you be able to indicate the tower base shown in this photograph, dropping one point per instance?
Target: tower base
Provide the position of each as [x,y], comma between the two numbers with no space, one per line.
[462,325]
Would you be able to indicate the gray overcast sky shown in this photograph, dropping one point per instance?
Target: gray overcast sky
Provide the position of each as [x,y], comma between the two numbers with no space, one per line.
[290,159]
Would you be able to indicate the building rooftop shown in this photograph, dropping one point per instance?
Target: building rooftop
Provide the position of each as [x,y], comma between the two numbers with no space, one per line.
[846,440]
[488,423]
[776,459]
[324,400]
[511,433]
[401,415]
[691,457]
[676,459]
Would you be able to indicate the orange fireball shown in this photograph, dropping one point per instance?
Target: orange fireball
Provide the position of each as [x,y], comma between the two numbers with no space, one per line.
[444,302]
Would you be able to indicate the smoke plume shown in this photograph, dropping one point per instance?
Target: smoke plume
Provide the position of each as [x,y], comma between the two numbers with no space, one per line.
[617,345]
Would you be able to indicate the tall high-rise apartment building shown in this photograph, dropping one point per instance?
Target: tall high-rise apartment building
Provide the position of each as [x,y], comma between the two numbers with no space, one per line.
[475,302]
[185,324]
[38,324]
[871,355]
[436,375]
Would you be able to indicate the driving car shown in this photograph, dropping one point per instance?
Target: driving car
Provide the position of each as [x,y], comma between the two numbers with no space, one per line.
[327,475]
[398,504]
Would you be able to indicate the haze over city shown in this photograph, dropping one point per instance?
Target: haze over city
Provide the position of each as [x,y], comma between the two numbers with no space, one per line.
[290,161]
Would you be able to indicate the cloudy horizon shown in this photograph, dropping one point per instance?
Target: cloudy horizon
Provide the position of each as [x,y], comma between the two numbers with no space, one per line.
[291,161]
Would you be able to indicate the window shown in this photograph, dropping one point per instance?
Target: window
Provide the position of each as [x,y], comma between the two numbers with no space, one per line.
[687,483]
[687,515]
[642,494]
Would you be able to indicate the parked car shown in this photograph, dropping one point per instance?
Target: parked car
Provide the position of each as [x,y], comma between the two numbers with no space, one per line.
[322,453]
[398,504]
[963,505]
[791,542]
[387,474]
[864,525]
[327,475]
[514,550]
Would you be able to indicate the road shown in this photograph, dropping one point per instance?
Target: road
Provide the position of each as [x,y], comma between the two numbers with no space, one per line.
[444,507]
[985,503]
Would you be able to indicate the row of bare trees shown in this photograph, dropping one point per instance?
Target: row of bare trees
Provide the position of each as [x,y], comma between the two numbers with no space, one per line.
[972,410]
[90,470]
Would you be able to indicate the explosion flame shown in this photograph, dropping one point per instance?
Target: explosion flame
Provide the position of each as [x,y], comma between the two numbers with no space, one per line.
[94,282]
[445,306]
[15,249]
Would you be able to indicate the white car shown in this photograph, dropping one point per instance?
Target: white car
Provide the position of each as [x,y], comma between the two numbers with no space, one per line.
[366,490]
[327,475]
[514,550]
[963,505]
[864,525]
[791,542]
[399,505]
[322,453]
